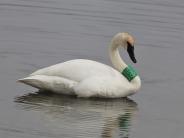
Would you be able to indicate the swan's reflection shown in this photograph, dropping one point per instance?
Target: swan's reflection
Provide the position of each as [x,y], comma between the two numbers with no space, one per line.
[107,117]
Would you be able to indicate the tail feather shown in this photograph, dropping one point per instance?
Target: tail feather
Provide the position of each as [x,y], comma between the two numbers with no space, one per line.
[34,81]
[51,83]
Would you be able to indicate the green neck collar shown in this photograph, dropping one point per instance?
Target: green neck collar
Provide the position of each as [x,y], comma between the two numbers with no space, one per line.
[129,72]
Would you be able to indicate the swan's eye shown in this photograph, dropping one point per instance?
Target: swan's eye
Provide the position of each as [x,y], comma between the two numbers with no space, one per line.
[129,44]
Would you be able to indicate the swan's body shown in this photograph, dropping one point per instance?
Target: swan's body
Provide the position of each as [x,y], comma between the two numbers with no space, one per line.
[87,78]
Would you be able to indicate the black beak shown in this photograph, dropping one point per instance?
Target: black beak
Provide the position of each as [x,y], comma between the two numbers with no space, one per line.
[130,50]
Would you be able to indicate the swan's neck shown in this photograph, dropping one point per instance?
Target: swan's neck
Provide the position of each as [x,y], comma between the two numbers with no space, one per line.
[122,67]
[115,57]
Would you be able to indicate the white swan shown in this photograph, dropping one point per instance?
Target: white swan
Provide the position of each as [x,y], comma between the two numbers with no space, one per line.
[87,78]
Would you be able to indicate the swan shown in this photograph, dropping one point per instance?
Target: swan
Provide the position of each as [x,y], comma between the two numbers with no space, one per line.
[87,78]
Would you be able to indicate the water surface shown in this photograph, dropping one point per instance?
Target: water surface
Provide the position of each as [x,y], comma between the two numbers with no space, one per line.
[39,33]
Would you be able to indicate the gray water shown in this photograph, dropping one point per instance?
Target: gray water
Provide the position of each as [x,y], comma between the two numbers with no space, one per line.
[39,33]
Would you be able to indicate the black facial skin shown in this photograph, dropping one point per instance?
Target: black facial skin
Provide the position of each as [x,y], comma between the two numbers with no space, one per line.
[130,50]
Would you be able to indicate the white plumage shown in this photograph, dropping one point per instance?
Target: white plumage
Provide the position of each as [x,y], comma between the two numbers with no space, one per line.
[87,78]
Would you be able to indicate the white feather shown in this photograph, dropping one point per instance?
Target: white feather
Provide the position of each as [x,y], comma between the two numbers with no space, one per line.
[86,78]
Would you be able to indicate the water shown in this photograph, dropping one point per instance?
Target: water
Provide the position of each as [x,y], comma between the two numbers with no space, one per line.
[39,33]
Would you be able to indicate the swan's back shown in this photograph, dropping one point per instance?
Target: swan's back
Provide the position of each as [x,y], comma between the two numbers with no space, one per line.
[78,70]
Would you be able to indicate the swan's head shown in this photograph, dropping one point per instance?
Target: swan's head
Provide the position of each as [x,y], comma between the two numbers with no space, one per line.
[126,41]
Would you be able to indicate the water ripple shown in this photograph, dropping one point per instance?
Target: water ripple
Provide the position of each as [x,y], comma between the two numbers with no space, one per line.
[85,115]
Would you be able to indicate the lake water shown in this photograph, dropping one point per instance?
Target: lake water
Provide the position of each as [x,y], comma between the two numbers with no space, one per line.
[39,33]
